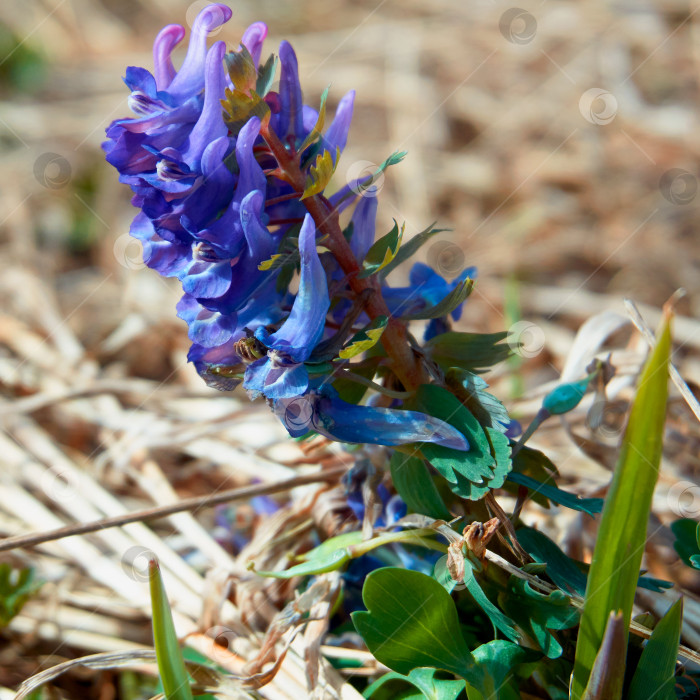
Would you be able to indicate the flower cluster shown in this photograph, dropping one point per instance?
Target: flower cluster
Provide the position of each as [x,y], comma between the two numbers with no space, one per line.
[226,172]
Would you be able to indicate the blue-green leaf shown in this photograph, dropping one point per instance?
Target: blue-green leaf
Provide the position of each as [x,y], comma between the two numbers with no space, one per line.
[382,251]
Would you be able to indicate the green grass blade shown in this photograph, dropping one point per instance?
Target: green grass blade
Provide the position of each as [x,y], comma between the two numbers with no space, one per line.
[618,553]
[655,672]
[176,682]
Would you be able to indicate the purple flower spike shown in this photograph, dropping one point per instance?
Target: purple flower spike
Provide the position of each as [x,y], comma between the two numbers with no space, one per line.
[363,220]
[168,38]
[190,78]
[253,39]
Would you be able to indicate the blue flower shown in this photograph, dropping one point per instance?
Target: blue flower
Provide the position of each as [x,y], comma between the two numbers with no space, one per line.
[281,373]
[323,411]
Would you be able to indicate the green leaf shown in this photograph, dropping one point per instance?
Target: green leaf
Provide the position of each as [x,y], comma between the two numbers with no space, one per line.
[471,351]
[266,74]
[421,678]
[563,498]
[608,672]
[657,664]
[382,251]
[411,247]
[317,130]
[459,468]
[499,620]
[445,307]
[16,587]
[171,667]
[471,388]
[337,551]
[497,659]
[562,569]
[687,543]
[617,557]
[367,338]
[394,159]
[537,613]
[411,621]
[414,484]
[320,173]
[241,69]
[537,465]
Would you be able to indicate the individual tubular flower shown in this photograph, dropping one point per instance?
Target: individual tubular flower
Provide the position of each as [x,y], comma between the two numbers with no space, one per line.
[323,411]
[426,289]
[281,373]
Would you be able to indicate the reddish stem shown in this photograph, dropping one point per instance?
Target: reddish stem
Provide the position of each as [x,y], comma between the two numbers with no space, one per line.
[405,364]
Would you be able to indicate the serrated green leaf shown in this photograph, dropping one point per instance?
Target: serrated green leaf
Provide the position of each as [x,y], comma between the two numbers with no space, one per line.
[423,679]
[563,498]
[171,667]
[459,468]
[410,622]
[382,251]
[411,247]
[657,664]
[367,338]
[471,388]
[320,173]
[471,351]
[317,130]
[414,484]
[614,572]
[446,306]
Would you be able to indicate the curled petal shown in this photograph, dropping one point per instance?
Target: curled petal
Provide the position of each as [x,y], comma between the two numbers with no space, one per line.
[250,176]
[190,78]
[276,377]
[253,39]
[206,279]
[168,38]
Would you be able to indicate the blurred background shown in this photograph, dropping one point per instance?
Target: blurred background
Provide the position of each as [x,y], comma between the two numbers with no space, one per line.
[559,141]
